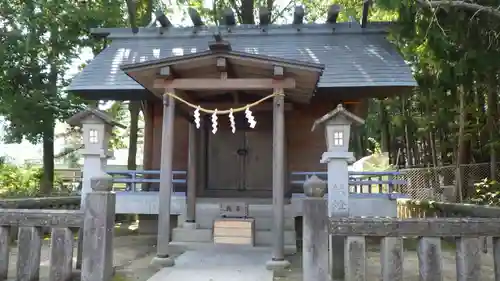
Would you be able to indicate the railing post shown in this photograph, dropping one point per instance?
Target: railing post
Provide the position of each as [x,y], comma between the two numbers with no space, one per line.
[391,184]
[98,230]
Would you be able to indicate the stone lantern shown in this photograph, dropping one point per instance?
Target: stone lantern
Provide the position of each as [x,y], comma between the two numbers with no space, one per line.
[337,125]
[96,126]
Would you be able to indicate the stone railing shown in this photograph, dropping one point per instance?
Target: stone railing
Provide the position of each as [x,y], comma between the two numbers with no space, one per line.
[63,202]
[466,231]
[97,222]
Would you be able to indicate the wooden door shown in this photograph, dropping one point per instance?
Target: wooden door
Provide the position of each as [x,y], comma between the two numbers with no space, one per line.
[259,160]
[224,162]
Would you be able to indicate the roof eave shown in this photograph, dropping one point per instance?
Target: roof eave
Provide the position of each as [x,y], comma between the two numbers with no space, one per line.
[316,67]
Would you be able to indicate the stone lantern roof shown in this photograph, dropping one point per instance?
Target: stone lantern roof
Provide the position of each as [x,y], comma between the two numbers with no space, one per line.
[77,119]
[338,111]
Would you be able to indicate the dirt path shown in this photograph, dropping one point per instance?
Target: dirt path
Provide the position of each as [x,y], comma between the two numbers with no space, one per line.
[410,267]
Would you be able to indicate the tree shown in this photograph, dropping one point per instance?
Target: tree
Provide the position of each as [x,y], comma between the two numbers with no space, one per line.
[48,34]
[451,118]
[142,10]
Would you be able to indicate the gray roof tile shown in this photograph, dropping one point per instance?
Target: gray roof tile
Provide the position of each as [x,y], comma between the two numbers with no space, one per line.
[355,59]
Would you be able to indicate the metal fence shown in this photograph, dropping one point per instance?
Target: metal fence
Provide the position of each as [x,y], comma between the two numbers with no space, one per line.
[439,183]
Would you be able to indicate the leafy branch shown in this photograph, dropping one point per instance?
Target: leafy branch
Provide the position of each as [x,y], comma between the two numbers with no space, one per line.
[462,4]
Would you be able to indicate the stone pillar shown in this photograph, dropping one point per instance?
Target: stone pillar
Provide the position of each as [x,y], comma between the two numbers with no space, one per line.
[278,259]
[315,240]
[337,125]
[98,231]
[166,185]
[338,204]
[191,178]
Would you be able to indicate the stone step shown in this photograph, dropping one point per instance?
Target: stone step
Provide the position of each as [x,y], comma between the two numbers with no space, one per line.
[261,223]
[254,210]
[262,237]
[289,249]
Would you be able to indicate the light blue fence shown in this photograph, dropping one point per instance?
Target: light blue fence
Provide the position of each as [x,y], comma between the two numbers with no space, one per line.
[359,182]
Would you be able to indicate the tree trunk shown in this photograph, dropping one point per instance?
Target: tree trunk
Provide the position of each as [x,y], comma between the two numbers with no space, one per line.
[432,139]
[408,154]
[461,150]
[49,123]
[492,115]
[384,128]
[134,108]
[247,16]
[48,159]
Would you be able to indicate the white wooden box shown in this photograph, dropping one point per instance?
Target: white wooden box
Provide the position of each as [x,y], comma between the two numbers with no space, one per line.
[234,231]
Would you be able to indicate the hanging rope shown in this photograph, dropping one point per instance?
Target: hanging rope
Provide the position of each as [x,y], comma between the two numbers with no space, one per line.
[227,111]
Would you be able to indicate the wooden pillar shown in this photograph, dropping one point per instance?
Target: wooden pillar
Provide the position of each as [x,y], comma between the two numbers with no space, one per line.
[191,176]
[147,162]
[278,258]
[201,159]
[166,186]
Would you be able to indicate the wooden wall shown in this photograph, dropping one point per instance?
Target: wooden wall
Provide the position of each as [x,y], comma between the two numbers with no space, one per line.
[304,148]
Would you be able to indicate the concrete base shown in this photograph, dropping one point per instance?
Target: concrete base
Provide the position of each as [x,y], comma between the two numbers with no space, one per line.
[277,265]
[161,262]
[189,225]
[148,224]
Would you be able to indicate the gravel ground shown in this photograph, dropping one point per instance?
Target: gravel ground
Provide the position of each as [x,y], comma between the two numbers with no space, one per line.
[132,256]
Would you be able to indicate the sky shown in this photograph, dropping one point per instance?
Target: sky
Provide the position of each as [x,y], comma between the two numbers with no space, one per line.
[25,151]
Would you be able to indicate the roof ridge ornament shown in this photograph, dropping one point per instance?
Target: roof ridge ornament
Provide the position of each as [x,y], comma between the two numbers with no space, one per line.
[219,45]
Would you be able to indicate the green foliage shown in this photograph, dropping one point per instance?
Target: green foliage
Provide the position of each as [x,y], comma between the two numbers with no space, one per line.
[22,181]
[454,53]
[46,36]
[34,63]
[487,193]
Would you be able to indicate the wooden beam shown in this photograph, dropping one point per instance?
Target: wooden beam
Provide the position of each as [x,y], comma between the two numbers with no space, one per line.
[166,72]
[266,106]
[279,73]
[224,84]
[222,64]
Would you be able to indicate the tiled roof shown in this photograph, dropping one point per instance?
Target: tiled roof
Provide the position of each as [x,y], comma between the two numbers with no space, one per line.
[353,57]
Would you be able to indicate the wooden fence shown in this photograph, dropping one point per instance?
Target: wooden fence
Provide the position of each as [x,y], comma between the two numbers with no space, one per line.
[97,222]
[317,227]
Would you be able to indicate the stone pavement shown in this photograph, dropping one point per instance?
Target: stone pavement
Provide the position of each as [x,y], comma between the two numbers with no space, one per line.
[219,263]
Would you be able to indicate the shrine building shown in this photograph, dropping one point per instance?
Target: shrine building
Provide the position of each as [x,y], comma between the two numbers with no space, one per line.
[232,107]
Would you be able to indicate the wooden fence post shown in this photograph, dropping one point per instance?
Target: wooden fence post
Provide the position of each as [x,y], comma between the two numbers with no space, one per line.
[315,240]
[4,252]
[61,254]
[98,231]
[29,249]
